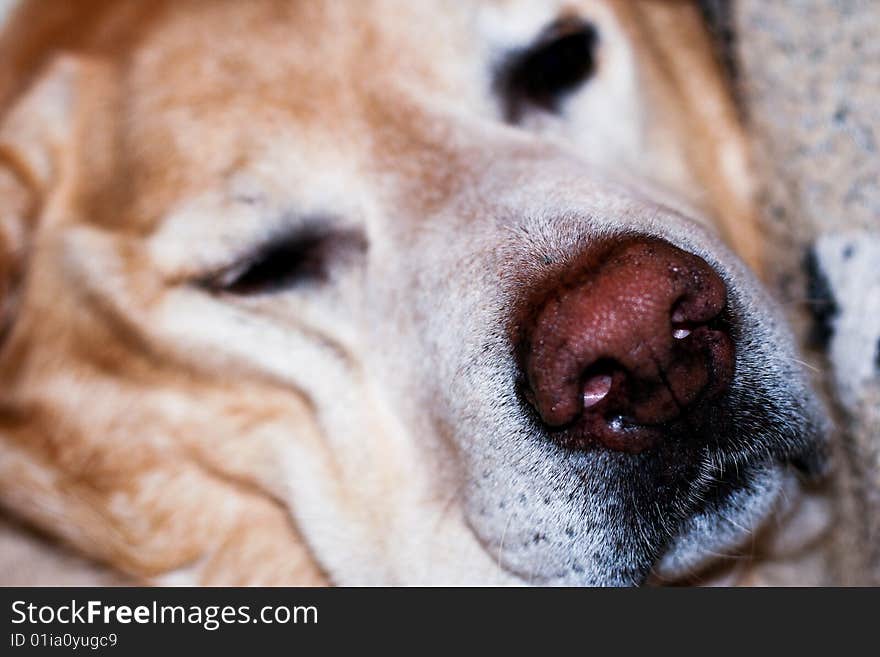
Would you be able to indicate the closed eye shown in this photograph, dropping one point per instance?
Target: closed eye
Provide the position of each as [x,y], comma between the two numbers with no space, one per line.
[541,76]
[303,257]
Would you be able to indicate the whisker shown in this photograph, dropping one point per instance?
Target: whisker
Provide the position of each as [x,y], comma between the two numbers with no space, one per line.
[809,366]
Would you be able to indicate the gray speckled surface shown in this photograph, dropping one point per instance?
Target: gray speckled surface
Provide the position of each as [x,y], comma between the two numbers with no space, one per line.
[811,75]
[810,82]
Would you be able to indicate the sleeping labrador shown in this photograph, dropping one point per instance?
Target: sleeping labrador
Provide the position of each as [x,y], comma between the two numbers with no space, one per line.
[384,292]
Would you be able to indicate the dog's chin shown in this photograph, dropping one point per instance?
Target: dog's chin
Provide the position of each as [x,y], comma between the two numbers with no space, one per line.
[715,539]
[720,531]
[655,521]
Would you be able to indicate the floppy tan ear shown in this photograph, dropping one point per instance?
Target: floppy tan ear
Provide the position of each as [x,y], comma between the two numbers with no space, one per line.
[717,148]
[35,131]
[57,472]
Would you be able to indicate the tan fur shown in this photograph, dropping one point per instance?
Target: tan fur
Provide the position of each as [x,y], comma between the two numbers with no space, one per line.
[114,438]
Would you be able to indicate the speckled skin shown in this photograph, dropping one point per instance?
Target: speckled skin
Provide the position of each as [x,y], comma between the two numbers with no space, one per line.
[809,75]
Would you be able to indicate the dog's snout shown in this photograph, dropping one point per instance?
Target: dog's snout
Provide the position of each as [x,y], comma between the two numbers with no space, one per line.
[630,345]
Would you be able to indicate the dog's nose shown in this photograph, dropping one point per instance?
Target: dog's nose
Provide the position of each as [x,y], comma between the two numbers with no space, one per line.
[633,343]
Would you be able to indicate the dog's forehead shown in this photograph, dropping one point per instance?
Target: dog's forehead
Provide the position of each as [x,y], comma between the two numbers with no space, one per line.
[211,91]
[310,59]
[315,50]
[315,88]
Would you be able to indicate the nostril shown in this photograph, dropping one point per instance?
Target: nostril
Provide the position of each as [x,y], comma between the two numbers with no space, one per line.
[692,311]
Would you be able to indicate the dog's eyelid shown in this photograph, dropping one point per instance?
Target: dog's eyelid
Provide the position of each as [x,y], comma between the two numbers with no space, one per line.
[304,255]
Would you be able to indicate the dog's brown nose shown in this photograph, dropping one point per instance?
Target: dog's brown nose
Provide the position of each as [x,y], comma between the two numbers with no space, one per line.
[631,345]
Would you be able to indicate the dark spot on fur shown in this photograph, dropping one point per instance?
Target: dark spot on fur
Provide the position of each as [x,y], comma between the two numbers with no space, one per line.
[718,15]
[246,199]
[820,301]
[542,75]
[848,251]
